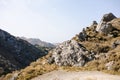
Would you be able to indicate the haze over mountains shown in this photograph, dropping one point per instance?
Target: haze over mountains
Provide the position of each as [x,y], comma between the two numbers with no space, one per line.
[35,41]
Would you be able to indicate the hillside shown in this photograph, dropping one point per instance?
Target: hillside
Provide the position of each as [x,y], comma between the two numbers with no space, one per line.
[16,53]
[35,41]
[98,44]
[96,48]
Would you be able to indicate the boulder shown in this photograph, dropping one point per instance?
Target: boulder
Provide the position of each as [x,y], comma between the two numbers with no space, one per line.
[94,23]
[108,17]
[83,35]
[70,53]
[105,26]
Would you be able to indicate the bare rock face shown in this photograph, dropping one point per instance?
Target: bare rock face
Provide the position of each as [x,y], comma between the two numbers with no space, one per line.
[70,53]
[104,26]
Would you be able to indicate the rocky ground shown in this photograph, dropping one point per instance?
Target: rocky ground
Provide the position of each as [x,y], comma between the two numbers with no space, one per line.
[84,75]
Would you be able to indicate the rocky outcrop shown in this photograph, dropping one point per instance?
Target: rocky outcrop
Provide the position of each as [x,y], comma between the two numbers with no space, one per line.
[94,23]
[108,17]
[70,53]
[16,53]
[87,45]
[82,35]
[104,26]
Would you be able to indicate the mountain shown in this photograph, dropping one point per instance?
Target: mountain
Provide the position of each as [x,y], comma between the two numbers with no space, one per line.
[96,48]
[36,41]
[16,53]
[95,42]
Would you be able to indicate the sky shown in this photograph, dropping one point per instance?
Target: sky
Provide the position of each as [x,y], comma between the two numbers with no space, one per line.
[53,21]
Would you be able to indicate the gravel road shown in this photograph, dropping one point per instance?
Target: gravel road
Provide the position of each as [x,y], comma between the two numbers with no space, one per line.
[82,75]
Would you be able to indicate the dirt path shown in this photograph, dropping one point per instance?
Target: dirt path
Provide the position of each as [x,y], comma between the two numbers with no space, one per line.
[85,75]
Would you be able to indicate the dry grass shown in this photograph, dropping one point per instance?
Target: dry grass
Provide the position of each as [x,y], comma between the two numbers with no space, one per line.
[36,68]
[41,67]
[102,45]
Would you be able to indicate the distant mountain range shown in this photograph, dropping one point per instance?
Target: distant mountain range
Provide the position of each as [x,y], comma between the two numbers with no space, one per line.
[36,41]
[16,53]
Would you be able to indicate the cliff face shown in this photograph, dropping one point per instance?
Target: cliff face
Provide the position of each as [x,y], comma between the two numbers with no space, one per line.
[16,53]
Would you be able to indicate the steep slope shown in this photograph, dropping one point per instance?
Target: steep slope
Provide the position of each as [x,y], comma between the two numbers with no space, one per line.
[36,41]
[95,48]
[99,42]
[16,53]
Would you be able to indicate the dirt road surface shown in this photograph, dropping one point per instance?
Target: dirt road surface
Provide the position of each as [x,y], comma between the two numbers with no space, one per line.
[83,75]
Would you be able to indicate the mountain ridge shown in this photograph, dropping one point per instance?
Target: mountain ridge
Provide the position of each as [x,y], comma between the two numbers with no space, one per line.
[16,53]
[37,41]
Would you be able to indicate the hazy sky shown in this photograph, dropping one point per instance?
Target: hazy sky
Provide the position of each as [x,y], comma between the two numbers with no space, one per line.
[52,20]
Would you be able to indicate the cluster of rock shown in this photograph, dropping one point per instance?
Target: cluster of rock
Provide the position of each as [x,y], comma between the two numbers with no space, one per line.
[16,53]
[105,26]
[73,53]
[109,26]
[83,35]
[70,53]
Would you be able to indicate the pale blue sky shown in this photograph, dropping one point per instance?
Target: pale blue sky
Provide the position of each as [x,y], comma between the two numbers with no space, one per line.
[52,20]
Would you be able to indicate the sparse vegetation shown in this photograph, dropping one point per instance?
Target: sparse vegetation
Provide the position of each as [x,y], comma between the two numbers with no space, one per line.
[41,66]
[36,68]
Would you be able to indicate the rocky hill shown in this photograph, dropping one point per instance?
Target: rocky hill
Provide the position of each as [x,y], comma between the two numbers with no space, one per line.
[16,53]
[95,48]
[35,41]
[95,43]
